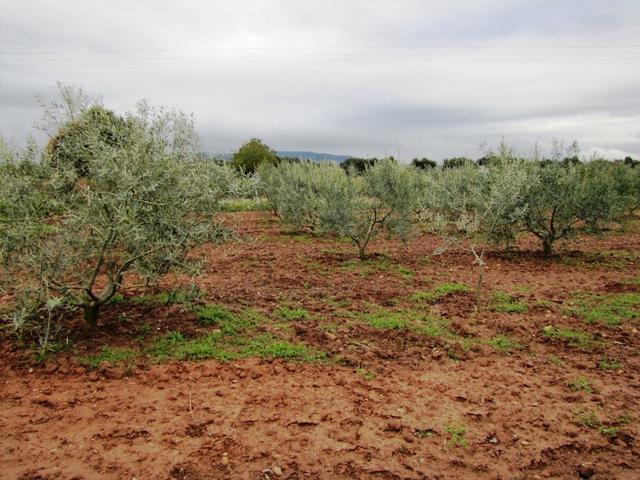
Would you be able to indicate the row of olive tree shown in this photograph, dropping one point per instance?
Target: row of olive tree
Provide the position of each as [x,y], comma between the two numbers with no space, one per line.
[552,201]
[108,195]
[323,198]
[469,206]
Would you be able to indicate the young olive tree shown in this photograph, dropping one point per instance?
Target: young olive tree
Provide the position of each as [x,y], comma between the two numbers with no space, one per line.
[626,179]
[358,207]
[562,198]
[136,205]
[293,191]
[475,207]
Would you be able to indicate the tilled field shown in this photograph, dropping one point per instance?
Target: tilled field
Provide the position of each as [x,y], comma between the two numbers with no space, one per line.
[384,369]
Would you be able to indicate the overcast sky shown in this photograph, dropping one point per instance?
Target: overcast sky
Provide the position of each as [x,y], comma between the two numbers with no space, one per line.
[357,77]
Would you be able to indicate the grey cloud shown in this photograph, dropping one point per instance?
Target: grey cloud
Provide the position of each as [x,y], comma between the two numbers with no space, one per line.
[331,76]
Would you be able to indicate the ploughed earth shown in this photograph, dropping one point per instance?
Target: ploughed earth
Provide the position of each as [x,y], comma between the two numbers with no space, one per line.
[286,357]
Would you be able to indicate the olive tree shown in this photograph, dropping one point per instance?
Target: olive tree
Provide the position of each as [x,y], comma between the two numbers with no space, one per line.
[563,198]
[358,207]
[324,198]
[626,180]
[293,191]
[138,205]
[297,191]
[475,207]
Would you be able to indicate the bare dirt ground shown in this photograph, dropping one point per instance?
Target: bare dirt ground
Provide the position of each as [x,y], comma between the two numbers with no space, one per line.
[387,401]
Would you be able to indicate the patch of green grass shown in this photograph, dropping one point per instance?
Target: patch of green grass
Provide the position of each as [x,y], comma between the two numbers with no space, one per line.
[366,374]
[410,320]
[457,432]
[317,268]
[290,313]
[111,355]
[202,348]
[542,303]
[145,329]
[503,302]
[269,347]
[504,344]
[386,320]
[243,205]
[216,345]
[435,327]
[404,271]
[623,419]
[555,360]
[573,338]
[439,291]
[606,363]
[229,323]
[609,431]
[609,310]
[580,384]
[164,347]
[367,267]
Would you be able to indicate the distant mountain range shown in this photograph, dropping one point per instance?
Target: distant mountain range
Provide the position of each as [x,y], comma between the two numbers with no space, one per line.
[318,157]
[315,156]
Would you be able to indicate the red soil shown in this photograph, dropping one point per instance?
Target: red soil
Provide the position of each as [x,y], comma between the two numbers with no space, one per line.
[259,419]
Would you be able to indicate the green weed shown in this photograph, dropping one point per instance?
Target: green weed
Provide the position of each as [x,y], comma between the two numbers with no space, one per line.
[580,384]
[366,374]
[606,363]
[573,338]
[609,310]
[555,360]
[289,313]
[228,322]
[504,344]
[243,205]
[503,302]
[457,432]
[439,291]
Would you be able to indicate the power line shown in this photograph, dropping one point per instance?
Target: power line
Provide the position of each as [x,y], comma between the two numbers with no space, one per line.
[325,47]
[323,54]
